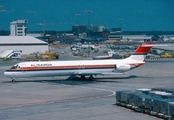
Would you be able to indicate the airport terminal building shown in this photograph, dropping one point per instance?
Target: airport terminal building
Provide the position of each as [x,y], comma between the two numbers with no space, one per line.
[26,44]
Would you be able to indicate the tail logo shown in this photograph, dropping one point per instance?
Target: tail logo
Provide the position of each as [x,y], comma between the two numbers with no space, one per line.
[143,49]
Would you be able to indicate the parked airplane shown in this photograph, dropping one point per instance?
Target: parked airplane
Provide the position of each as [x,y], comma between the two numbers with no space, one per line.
[79,67]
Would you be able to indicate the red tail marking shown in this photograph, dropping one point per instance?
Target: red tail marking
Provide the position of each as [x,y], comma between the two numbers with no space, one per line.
[143,49]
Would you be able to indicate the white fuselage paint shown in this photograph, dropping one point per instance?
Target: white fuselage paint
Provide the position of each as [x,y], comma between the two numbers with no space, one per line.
[24,72]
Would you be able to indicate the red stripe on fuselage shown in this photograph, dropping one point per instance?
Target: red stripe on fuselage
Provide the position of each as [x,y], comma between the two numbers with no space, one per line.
[73,67]
[65,67]
[137,65]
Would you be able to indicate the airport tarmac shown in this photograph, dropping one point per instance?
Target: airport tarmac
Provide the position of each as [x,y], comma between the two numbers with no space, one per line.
[65,98]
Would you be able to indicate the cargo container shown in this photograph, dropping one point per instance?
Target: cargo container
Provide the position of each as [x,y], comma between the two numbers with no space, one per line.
[167,96]
[170,90]
[156,101]
[158,89]
[155,106]
[164,108]
[145,91]
[158,94]
[140,102]
[122,97]
[162,93]
[148,104]
[131,99]
[136,100]
[152,93]
[171,109]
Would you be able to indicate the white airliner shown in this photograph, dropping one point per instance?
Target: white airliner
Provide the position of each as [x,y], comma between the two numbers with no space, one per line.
[79,67]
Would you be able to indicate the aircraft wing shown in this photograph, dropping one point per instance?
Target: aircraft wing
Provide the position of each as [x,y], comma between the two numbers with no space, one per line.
[96,73]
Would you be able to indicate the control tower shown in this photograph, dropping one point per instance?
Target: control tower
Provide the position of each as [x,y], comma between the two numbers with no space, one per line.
[18,28]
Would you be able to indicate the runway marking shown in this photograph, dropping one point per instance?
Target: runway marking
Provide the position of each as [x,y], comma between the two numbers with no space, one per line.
[65,100]
[54,101]
[164,71]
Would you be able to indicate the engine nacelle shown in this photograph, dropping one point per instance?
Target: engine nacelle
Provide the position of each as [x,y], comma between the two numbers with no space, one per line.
[122,67]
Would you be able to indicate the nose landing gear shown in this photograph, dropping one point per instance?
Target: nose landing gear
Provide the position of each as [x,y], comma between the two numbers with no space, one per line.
[12,80]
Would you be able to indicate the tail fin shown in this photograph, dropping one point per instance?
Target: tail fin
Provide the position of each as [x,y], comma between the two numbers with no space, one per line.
[141,52]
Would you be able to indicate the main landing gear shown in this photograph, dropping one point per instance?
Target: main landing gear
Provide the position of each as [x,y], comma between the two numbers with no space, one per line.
[91,77]
[83,77]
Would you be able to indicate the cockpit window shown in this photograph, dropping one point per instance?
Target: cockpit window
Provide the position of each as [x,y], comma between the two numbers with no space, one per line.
[15,66]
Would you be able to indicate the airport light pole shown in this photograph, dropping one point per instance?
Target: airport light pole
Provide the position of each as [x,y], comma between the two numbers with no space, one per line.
[88,49]
[78,15]
[88,11]
[88,29]
[43,24]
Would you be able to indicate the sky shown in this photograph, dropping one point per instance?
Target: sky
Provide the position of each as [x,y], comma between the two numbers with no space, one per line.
[131,15]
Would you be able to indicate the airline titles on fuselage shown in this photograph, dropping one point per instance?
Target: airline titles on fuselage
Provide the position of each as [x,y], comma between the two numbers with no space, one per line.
[41,65]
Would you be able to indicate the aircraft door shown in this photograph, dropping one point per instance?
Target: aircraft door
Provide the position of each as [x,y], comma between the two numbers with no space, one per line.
[81,66]
[24,68]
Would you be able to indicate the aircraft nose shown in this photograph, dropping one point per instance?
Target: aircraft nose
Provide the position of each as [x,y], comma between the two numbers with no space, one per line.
[6,73]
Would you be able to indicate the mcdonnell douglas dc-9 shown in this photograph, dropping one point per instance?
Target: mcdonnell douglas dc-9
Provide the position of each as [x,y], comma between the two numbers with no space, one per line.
[80,68]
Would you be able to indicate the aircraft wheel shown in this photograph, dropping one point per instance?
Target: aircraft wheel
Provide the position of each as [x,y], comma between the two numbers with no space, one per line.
[83,77]
[91,77]
[12,80]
